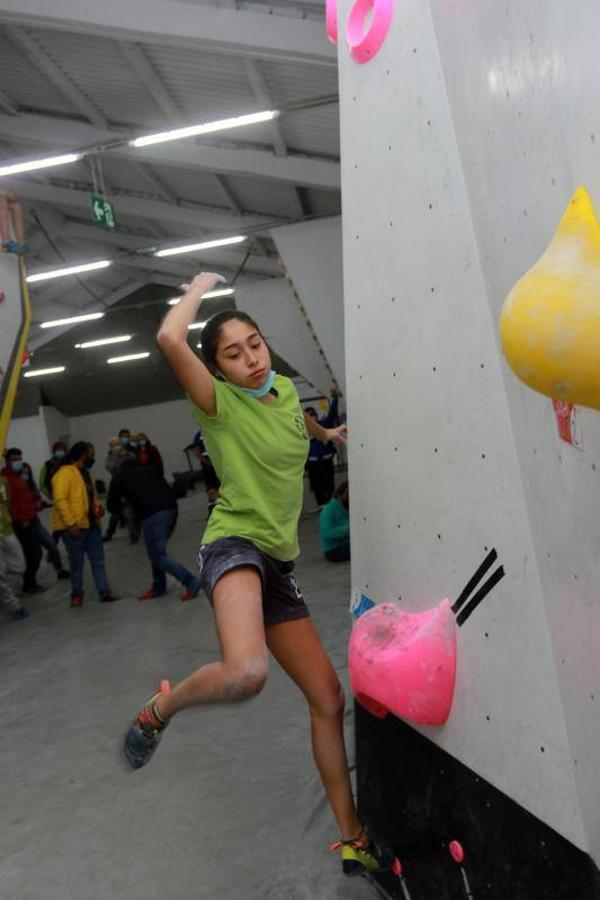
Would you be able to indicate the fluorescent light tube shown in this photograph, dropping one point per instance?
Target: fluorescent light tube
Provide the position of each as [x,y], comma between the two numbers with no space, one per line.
[88,317]
[33,373]
[69,270]
[224,292]
[205,245]
[102,341]
[46,163]
[195,325]
[132,356]
[209,127]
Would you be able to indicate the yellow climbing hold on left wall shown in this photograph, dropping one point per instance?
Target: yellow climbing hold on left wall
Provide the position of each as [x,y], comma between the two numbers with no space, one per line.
[550,322]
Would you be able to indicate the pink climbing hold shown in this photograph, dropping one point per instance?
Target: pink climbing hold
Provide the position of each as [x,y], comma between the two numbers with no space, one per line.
[405,663]
[331,20]
[456,851]
[396,868]
[365,43]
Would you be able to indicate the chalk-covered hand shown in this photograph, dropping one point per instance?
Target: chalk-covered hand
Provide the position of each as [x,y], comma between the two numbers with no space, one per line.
[204,282]
[338,435]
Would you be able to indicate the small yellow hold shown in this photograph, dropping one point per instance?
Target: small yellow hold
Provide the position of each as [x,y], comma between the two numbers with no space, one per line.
[550,322]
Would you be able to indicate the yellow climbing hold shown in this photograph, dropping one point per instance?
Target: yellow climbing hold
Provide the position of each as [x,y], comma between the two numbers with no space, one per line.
[550,322]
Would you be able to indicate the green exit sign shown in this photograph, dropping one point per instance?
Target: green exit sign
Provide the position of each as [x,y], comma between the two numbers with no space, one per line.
[103,212]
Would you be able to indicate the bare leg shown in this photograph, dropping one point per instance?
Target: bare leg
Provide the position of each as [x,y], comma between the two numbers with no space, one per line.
[297,648]
[16,215]
[242,672]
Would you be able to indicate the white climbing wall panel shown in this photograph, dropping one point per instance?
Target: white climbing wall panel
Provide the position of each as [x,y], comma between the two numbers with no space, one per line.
[461,144]
[312,254]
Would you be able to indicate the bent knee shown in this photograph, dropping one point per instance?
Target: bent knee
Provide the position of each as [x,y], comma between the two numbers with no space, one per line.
[247,679]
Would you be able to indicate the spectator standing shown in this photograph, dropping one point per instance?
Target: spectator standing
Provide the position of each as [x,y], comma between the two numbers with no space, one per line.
[47,540]
[320,466]
[154,501]
[50,467]
[77,513]
[148,454]
[334,526]
[212,484]
[11,560]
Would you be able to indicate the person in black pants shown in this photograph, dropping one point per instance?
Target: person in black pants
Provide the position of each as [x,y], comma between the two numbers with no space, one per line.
[154,501]
[320,464]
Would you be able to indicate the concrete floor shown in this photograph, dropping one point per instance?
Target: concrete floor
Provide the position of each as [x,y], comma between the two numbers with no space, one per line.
[229,808]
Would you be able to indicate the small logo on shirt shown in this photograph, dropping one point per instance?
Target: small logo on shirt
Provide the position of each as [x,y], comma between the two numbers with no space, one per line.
[301,425]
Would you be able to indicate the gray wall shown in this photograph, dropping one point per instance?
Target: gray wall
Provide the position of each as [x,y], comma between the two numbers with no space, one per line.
[461,144]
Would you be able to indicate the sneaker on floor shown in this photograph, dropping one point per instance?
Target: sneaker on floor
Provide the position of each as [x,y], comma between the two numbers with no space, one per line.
[63,574]
[109,598]
[20,614]
[76,601]
[34,589]
[362,854]
[150,594]
[145,732]
[190,593]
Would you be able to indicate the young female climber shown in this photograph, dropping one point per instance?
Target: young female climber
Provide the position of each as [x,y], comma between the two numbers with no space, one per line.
[256,434]
[11,214]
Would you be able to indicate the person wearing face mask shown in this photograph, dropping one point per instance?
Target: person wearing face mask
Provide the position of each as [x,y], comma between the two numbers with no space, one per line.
[24,507]
[147,453]
[77,513]
[125,437]
[50,467]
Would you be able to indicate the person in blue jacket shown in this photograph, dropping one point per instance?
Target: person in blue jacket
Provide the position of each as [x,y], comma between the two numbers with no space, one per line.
[334,526]
[320,466]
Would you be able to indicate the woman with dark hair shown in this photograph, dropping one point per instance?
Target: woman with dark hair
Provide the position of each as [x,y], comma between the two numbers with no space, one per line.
[76,514]
[257,437]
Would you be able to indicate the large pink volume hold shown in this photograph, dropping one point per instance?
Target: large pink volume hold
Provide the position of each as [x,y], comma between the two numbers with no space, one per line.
[405,663]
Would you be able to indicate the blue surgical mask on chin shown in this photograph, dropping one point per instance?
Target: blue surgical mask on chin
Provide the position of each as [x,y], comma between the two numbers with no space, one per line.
[17,465]
[257,393]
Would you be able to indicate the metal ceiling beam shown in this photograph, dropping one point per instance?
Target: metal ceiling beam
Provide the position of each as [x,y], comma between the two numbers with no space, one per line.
[109,297]
[41,60]
[7,104]
[156,184]
[176,23]
[143,68]
[143,209]
[187,154]
[75,231]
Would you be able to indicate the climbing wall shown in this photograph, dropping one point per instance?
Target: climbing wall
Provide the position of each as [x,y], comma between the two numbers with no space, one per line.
[312,255]
[15,318]
[462,141]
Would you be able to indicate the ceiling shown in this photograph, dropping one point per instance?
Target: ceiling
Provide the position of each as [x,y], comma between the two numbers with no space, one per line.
[106,72]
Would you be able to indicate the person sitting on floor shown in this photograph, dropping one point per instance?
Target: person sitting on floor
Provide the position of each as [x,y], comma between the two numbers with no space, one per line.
[334,526]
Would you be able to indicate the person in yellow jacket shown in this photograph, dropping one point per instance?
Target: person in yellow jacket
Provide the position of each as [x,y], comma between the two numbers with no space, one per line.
[76,514]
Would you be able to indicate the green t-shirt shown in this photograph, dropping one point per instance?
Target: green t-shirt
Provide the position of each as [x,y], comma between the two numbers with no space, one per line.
[259,451]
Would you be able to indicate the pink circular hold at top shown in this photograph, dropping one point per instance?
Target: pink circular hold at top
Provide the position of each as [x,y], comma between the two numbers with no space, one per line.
[365,44]
[331,20]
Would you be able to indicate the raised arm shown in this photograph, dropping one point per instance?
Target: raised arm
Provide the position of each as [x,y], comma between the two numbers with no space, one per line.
[172,339]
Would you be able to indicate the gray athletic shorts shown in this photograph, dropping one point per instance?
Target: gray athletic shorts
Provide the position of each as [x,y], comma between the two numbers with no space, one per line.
[281,596]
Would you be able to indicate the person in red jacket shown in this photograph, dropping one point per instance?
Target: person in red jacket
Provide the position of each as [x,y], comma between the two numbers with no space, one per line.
[26,524]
